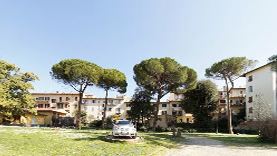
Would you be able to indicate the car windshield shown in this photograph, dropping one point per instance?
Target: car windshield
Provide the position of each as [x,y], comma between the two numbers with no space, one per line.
[123,123]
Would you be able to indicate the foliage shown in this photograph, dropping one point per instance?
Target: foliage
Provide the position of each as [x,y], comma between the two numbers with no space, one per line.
[42,141]
[161,76]
[111,79]
[115,118]
[96,123]
[15,97]
[78,74]
[229,70]
[83,118]
[201,102]
[141,107]
[268,131]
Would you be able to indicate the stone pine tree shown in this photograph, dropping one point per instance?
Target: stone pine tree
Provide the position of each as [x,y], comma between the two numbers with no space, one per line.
[15,98]
[141,107]
[78,74]
[111,79]
[161,76]
[201,102]
[229,70]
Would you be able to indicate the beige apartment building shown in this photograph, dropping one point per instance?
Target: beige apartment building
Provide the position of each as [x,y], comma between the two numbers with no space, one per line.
[237,101]
[55,104]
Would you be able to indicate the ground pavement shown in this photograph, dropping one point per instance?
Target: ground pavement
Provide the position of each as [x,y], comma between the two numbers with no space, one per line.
[200,146]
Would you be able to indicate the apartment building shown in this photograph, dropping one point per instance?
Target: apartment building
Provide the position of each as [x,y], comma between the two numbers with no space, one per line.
[261,92]
[95,107]
[55,104]
[236,99]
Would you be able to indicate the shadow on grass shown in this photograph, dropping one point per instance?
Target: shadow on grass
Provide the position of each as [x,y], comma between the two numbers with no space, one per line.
[90,138]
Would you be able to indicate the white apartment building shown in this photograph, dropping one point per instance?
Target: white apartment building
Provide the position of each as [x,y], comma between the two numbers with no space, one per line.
[261,92]
[95,107]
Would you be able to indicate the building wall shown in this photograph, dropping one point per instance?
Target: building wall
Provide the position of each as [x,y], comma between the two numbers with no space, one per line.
[31,119]
[264,84]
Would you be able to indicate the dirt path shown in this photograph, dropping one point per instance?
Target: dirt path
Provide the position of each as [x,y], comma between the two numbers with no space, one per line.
[199,146]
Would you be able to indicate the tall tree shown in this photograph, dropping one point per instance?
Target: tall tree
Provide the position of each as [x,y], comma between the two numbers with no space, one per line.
[141,107]
[161,76]
[201,101]
[111,79]
[229,70]
[78,74]
[15,97]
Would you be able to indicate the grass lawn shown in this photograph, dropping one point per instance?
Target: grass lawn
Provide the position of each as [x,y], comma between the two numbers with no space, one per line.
[237,140]
[47,141]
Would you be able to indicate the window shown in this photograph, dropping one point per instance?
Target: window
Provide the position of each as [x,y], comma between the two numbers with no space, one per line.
[180,113]
[164,112]
[85,101]
[61,99]
[174,105]
[174,113]
[40,105]
[92,109]
[250,88]
[110,109]
[118,110]
[250,99]
[85,108]
[250,110]
[250,78]
[222,101]
[76,98]
[47,105]
[128,105]
[98,101]
[241,92]
[110,101]
[53,100]
[119,101]
[231,101]
[241,101]
[155,105]
[103,105]
[60,105]
[164,105]
[41,98]
[93,101]
[47,98]
[66,105]
[67,99]
[160,119]
[187,120]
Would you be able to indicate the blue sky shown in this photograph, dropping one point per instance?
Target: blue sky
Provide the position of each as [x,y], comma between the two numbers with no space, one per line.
[34,35]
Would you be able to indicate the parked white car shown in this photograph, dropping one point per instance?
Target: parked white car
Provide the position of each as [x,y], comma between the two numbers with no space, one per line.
[124,128]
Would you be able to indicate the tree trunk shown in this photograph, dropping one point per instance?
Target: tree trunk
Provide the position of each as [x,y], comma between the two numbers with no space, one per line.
[156,112]
[105,108]
[230,127]
[78,116]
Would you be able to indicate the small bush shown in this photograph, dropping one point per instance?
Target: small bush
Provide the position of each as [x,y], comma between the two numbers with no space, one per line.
[95,123]
[268,132]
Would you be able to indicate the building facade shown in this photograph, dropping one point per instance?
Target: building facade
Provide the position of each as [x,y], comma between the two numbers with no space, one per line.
[236,98]
[261,92]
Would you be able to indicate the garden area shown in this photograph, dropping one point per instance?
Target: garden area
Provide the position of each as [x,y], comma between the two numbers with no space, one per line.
[50,141]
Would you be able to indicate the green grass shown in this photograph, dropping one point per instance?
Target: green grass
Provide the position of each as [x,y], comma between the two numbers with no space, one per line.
[237,140]
[45,141]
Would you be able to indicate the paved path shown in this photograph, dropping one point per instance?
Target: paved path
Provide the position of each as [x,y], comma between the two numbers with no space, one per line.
[199,146]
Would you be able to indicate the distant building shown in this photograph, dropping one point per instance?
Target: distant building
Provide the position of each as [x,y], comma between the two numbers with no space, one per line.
[236,99]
